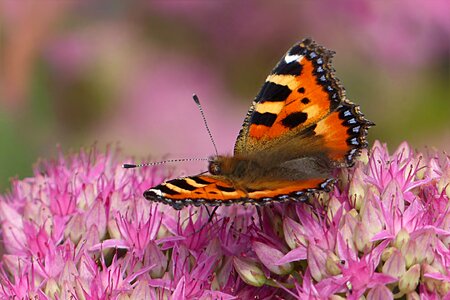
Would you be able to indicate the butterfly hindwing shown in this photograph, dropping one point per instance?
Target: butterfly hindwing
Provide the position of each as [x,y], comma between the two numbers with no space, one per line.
[194,190]
[343,133]
[216,190]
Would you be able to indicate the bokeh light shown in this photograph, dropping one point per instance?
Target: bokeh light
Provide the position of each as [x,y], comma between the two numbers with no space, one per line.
[78,72]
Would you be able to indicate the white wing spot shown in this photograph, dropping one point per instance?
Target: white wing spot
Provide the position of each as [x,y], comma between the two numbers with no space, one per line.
[157,192]
[290,58]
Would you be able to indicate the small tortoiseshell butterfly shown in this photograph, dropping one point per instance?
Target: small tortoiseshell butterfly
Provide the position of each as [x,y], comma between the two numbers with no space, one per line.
[299,128]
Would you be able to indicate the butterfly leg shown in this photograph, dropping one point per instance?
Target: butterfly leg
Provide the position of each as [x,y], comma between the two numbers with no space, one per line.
[211,214]
[210,217]
[259,213]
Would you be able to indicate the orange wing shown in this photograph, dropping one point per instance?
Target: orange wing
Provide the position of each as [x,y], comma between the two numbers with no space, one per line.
[302,97]
[217,190]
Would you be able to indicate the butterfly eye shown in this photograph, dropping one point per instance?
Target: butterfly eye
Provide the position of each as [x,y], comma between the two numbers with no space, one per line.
[214,168]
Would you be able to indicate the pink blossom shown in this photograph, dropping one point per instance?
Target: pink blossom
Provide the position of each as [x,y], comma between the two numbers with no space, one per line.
[80,228]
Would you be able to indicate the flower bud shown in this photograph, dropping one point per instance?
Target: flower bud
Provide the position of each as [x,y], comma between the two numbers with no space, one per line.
[444,288]
[429,282]
[143,291]
[293,233]
[343,178]
[249,272]
[354,213]
[421,166]
[51,287]
[410,253]
[363,156]
[372,216]
[75,228]
[424,243]
[380,292]
[444,183]
[223,273]
[357,191]
[269,256]
[401,239]
[96,216]
[348,229]
[408,282]
[332,264]
[317,261]
[155,256]
[387,253]
[113,229]
[323,199]
[333,206]
[446,224]
[395,265]
[361,237]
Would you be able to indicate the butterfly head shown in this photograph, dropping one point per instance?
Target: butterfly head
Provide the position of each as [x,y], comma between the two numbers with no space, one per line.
[214,166]
[217,165]
[233,167]
[226,165]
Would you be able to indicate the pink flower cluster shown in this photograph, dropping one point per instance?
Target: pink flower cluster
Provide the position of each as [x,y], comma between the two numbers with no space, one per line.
[80,229]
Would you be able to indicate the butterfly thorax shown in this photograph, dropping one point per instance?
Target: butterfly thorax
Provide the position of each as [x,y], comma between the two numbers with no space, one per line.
[235,168]
[251,169]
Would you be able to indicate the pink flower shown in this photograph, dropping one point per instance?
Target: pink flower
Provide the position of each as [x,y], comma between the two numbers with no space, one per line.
[52,222]
[80,228]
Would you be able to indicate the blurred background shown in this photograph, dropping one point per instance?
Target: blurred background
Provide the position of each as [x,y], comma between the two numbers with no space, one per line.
[78,72]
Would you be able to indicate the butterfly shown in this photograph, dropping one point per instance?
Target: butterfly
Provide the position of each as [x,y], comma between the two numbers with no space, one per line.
[299,128]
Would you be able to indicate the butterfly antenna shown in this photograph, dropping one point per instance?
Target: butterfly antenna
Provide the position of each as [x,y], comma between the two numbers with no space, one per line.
[197,101]
[130,166]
